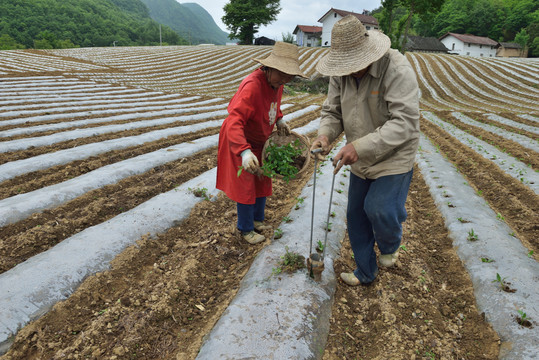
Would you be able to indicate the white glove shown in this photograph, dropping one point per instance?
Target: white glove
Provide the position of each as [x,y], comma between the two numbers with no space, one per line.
[282,127]
[250,162]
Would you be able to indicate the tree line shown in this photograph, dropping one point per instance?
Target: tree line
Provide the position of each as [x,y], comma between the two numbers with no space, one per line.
[47,24]
[500,20]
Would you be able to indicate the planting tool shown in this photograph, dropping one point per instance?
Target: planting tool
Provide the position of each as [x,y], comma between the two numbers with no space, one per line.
[315,262]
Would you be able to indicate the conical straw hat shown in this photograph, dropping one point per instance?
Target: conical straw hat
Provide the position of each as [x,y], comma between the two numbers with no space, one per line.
[283,57]
[353,48]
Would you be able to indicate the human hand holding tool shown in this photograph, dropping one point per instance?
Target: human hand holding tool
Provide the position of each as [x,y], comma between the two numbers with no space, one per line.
[346,156]
[320,147]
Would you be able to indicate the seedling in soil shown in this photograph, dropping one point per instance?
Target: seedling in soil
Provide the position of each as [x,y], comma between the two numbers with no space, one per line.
[472,236]
[500,217]
[200,192]
[333,215]
[299,201]
[328,226]
[523,319]
[503,285]
[339,191]
[278,233]
[291,261]
[486,260]
[462,220]
[319,246]
[530,253]
[287,219]
[403,248]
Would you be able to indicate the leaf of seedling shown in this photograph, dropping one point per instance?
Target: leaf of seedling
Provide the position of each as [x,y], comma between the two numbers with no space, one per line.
[523,315]
[486,260]
[472,236]
[403,248]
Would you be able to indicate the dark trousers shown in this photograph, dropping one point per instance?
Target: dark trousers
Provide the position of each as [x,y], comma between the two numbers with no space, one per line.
[375,215]
[249,213]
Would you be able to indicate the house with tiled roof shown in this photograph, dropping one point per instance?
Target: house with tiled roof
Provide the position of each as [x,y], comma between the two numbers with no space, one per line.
[425,44]
[471,45]
[333,15]
[511,49]
[308,35]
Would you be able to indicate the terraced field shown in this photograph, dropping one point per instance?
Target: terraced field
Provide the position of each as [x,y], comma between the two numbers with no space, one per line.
[106,253]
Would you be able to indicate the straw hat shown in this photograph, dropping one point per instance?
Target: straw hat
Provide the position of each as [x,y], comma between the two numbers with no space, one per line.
[353,48]
[283,57]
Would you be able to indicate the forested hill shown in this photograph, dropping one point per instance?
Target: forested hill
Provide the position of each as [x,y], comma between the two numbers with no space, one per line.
[190,20]
[46,24]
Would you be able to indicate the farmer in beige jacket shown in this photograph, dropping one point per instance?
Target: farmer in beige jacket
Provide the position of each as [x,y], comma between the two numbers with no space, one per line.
[373,98]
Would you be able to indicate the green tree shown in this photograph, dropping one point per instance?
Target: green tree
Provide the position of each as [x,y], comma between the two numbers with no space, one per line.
[8,43]
[244,17]
[288,37]
[522,39]
[422,8]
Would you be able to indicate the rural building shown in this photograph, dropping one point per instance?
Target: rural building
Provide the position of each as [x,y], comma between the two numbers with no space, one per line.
[333,15]
[308,35]
[264,41]
[471,45]
[425,44]
[507,49]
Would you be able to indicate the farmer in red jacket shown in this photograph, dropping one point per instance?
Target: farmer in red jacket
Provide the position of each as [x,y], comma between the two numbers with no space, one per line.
[253,112]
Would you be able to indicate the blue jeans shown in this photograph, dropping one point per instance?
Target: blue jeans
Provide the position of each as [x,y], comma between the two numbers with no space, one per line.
[249,213]
[375,214]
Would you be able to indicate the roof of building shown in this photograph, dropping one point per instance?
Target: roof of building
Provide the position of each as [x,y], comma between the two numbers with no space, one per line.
[471,39]
[420,43]
[511,45]
[365,19]
[307,29]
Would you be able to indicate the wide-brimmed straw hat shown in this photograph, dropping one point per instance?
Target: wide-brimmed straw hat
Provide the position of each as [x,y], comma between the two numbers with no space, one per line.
[353,48]
[283,57]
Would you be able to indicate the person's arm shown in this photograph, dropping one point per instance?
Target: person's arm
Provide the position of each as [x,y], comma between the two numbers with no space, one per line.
[331,119]
[240,110]
[331,114]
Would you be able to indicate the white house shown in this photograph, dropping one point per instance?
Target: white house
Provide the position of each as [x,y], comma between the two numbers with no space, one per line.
[308,35]
[470,45]
[333,15]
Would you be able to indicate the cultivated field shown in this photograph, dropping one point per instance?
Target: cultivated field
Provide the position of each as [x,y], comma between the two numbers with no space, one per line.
[106,253]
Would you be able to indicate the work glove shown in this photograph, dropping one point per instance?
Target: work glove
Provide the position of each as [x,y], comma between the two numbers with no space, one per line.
[320,147]
[282,127]
[249,162]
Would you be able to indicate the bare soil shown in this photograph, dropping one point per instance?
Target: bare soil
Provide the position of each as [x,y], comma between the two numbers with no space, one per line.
[161,296]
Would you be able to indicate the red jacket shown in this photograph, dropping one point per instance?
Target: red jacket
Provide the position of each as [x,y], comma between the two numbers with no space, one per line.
[252,114]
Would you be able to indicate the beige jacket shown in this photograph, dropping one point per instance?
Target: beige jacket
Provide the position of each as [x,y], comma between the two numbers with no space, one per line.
[380,117]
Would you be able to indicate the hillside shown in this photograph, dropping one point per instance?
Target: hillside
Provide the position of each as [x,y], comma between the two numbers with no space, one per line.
[190,20]
[85,23]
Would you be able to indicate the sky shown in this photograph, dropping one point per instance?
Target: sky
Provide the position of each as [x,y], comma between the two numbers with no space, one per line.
[293,12]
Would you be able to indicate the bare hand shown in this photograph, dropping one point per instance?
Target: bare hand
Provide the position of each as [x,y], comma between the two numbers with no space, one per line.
[346,156]
[321,142]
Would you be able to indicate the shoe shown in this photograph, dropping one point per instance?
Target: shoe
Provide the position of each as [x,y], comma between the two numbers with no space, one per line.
[350,279]
[259,226]
[388,260]
[252,237]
